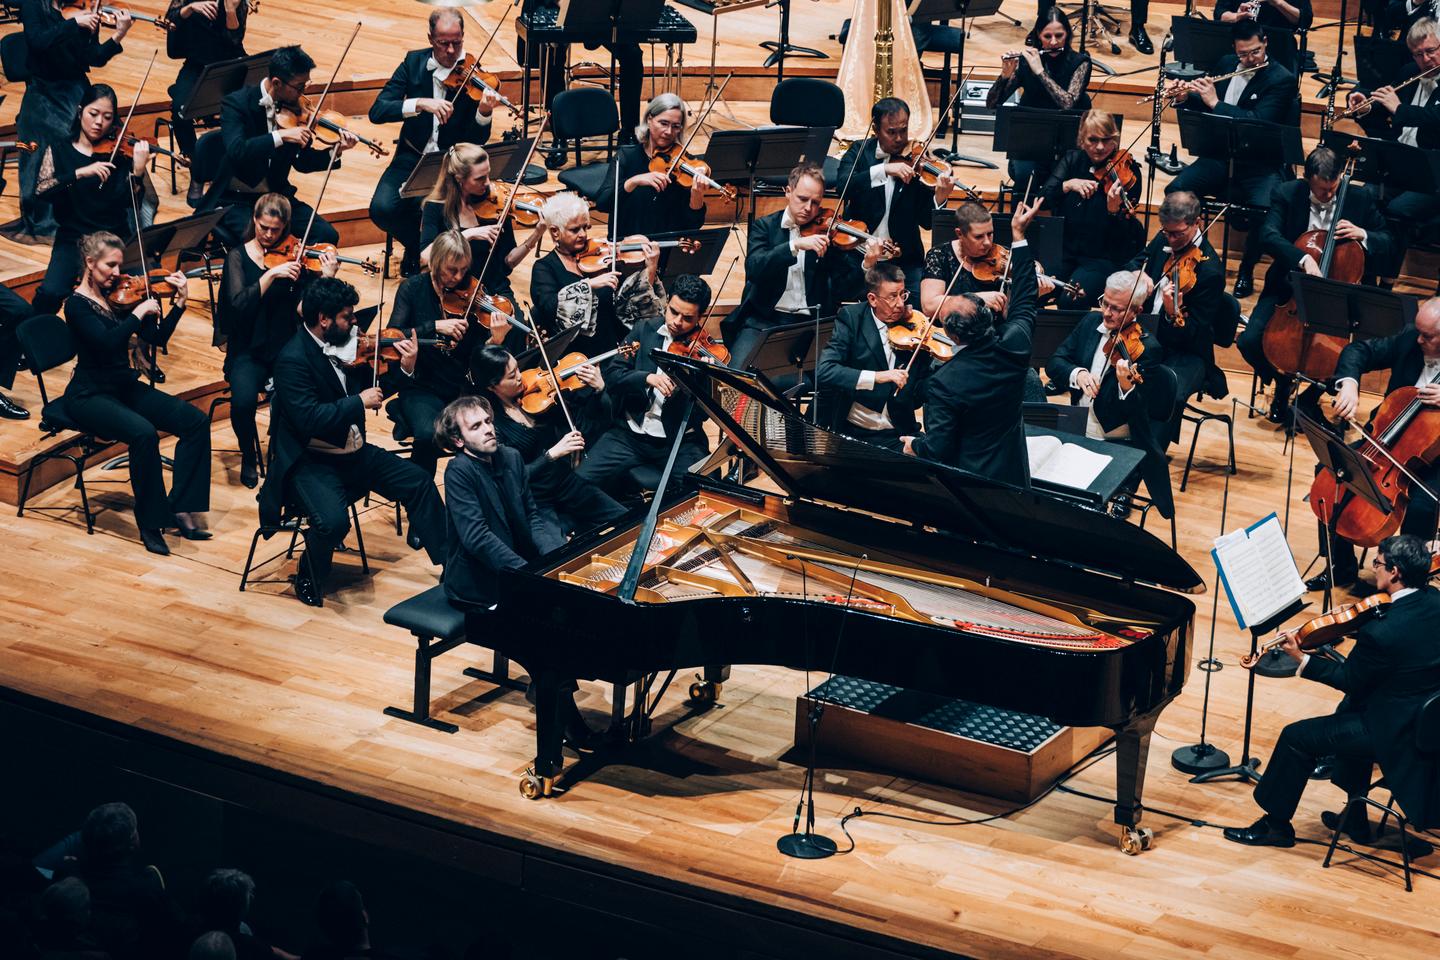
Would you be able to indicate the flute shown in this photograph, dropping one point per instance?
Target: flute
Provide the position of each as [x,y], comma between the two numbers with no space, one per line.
[1173,93]
[1369,101]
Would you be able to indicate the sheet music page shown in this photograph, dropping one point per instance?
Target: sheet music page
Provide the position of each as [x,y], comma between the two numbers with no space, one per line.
[1066,464]
[1260,572]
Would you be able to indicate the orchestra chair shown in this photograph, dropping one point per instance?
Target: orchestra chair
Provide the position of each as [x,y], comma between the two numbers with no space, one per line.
[224,397]
[1217,387]
[1427,743]
[15,57]
[581,113]
[1162,396]
[808,102]
[439,627]
[293,521]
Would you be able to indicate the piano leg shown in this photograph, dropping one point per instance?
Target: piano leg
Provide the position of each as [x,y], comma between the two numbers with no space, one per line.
[1132,750]
[707,686]
[550,715]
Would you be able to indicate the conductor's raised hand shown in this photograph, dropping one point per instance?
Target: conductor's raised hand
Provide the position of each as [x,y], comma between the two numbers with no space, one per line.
[1024,213]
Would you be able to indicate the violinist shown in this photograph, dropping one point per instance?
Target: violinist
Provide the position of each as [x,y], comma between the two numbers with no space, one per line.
[651,202]
[87,192]
[1187,321]
[1393,668]
[262,147]
[867,390]
[972,251]
[433,375]
[564,296]
[648,412]
[107,398]
[432,117]
[1268,94]
[973,402]
[1413,359]
[880,188]
[320,462]
[545,442]
[1095,191]
[793,272]
[256,318]
[1049,74]
[1408,110]
[463,185]
[1280,18]
[203,32]
[1296,208]
[13,312]
[63,46]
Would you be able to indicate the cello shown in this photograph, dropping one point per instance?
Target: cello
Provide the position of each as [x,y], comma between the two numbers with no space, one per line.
[1287,345]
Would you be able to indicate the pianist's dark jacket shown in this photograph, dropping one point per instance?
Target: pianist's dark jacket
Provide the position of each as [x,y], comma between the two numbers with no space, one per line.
[973,402]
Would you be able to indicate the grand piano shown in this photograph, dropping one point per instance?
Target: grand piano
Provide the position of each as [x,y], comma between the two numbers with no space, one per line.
[864,563]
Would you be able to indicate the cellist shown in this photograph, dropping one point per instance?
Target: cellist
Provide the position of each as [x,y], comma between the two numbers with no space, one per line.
[1413,359]
[1296,208]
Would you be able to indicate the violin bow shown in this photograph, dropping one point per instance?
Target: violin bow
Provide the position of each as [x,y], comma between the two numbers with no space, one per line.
[695,127]
[1010,261]
[315,210]
[504,215]
[840,197]
[550,372]
[924,147]
[120,135]
[474,67]
[319,102]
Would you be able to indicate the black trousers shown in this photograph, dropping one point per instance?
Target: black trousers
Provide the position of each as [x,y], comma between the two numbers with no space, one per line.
[1139,12]
[232,226]
[13,312]
[1411,211]
[135,414]
[572,503]
[621,448]
[324,485]
[1251,342]
[1342,735]
[247,377]
[628,61]
[61,275]
[396,215]
[1250,187]
[180,92]
[420,406]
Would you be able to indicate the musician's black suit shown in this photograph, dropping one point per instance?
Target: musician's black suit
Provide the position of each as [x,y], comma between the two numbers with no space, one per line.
[414,79]
[855,347]
[1288,219]
[620,447]
[1190,350]
[493,524]
[1393,668]
[251,156]
[1412,209]
[912,207]
[312,402]
[973,402]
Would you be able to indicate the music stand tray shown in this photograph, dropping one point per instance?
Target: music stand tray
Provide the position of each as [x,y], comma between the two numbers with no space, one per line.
[507,157]
[423,178]
[1040,136]
[1350,309]
[1214,136]
[555,347]
[701,263]
[1200,42]
[164,239]
[219,79]
[791,348]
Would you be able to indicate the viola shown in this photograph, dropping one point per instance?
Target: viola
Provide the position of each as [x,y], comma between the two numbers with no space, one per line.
[600,256]
[127,148]
[1118,169]
[24,146]
[470,299]
[928,170]
[847,234]
[700,345]
[539,394]
[109,13]
[477,82]
[1326,628]
[366,348]
[289,248]
[685,169]
[995,266]
[327,124]
[907,335]
[1180,268]
[1126,343]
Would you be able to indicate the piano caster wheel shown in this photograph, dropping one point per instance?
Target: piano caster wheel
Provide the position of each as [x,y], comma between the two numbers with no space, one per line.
[533,787]
[704,691]
[1133,840]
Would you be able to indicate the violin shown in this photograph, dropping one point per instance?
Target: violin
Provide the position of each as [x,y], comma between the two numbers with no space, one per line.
[477,82]
[127,148]
[847,234]
[366,347]
[928,170]
[108,13]
[24,146]
[539,393]
[1126,343]
[1180,268]
[524,212]
[906,335]
[685,169]
[302,114]
[1326,628]
[288,249]
[1118,169]
[995,266]
[470,298]
[702,346]
[600,256]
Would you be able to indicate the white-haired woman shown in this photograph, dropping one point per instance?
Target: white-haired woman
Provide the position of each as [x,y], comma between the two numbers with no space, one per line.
[564,297]
[653,203]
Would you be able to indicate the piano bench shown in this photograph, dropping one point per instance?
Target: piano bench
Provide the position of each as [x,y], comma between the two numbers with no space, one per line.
[438,628]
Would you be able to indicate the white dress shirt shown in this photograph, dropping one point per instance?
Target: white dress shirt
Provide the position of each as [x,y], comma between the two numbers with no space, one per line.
[879,178]
[794,299]
[651,425]
[1236,88]
[861,415]
[438,76]
[354,440]
[1424,90]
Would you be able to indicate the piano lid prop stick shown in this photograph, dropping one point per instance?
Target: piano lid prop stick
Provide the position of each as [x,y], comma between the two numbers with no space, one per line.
[626,591]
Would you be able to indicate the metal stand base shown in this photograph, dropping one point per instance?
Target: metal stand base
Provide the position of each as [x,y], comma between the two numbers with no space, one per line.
[779,51]
[806,846]
[1249,770]
[1199,758]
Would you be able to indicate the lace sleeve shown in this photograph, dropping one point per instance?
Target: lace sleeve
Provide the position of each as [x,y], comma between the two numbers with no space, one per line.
[46,180]
[1001,89]
[1079,80]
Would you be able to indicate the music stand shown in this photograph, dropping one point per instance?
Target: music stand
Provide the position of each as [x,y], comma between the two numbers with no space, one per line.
[1124,459]
[675,261]
[791,350]
[1199,42]
[507,157]
[219,79]
[925,11]
[1055,417]
[1045,236]
[1350,309]
[1222,138]
[743,156]
[555,348]
[422,179]
[175,237]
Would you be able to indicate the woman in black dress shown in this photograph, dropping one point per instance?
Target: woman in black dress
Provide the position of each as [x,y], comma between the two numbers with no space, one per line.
[1049,75]
[653,203]
[546,442]
[88,192]
[258,313]
[106,397]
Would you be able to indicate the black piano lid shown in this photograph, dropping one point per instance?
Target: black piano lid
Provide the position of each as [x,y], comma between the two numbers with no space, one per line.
[810,463]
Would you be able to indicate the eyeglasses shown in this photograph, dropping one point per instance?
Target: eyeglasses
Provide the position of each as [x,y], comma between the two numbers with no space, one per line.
[900,297]
[1378,563]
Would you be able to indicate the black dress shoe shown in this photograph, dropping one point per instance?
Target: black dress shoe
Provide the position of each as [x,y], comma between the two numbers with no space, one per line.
[306,591]
[413,540]
[1357,827]
[1320,581]
[11,410]
[194,533]
[1244,285]
[1141,41]
[1279,412]
[1120,506]
[1324,769]
[1262,833]
[154,540]
[249,475]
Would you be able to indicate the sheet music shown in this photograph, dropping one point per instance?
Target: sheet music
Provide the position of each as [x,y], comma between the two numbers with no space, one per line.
[1066,464]
[1258,571]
